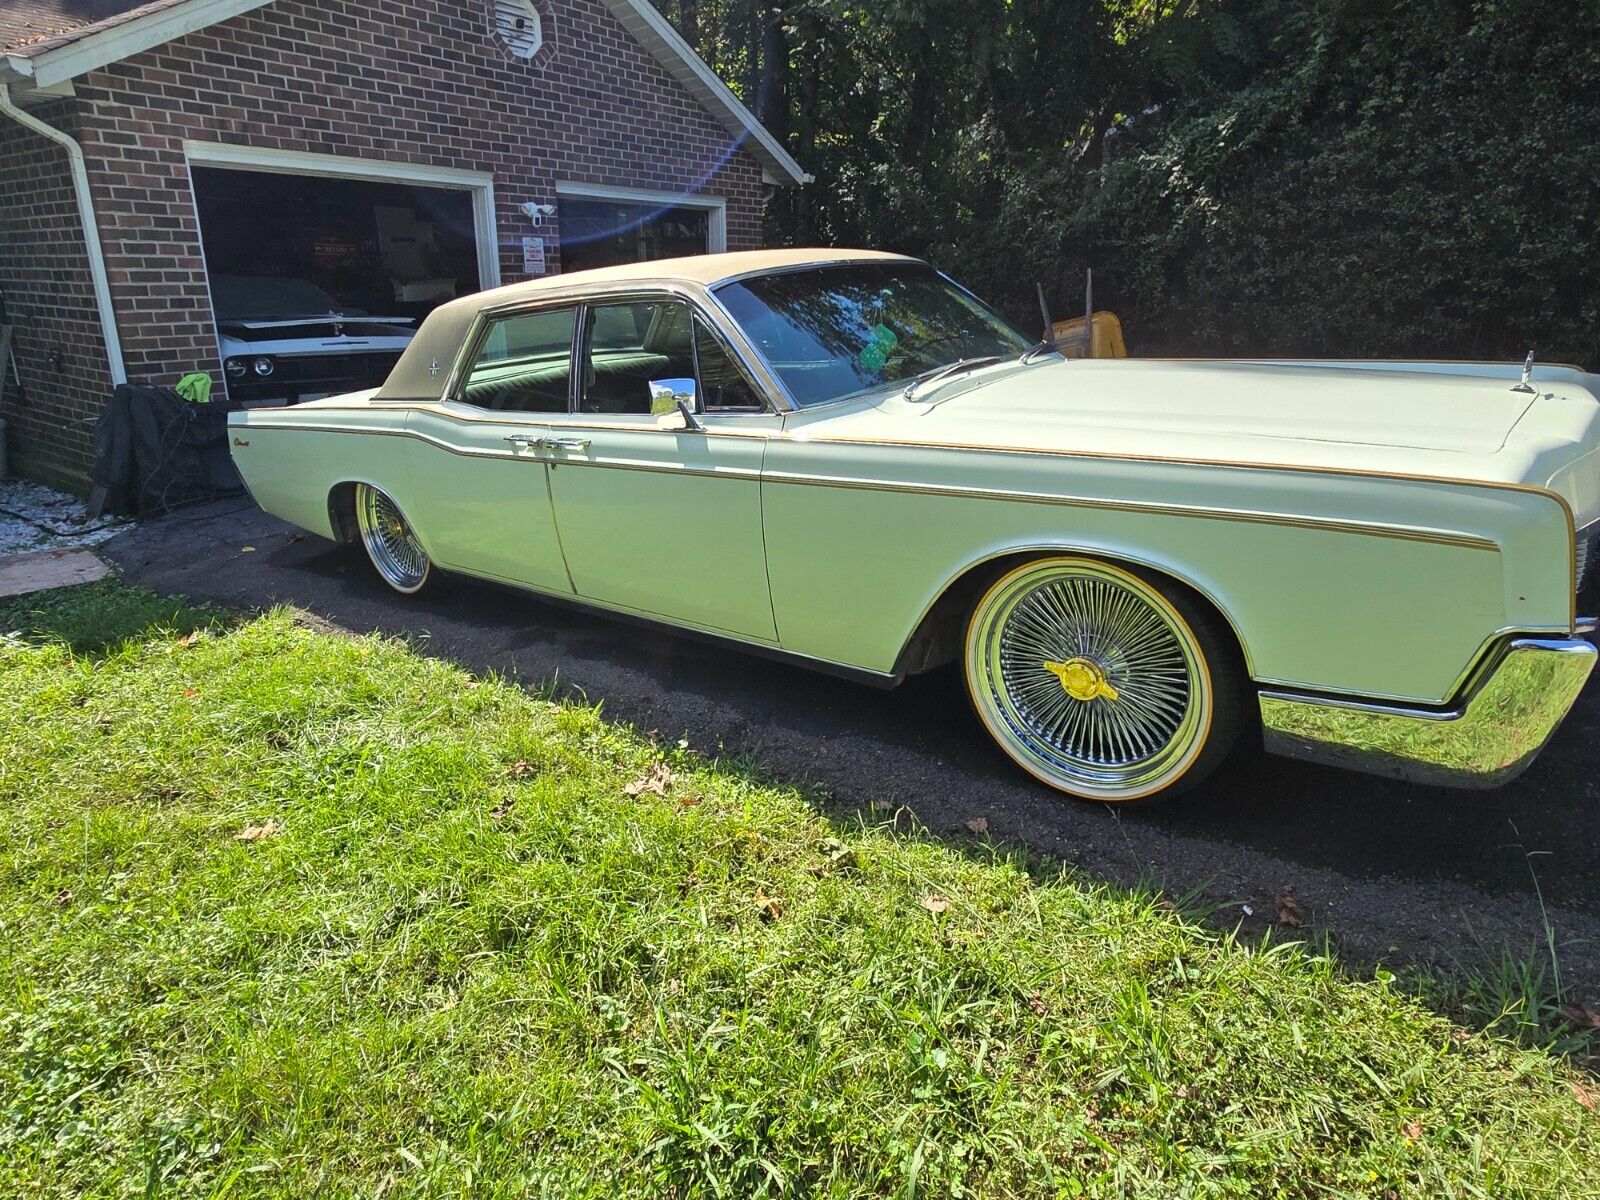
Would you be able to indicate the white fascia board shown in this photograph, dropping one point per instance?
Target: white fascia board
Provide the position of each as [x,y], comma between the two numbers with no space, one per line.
[656,34]
[120,41]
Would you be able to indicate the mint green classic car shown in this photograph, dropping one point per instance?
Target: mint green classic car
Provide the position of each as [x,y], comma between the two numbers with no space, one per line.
[845,459]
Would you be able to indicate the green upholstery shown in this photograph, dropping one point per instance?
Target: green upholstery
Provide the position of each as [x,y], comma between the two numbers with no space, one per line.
[523,385]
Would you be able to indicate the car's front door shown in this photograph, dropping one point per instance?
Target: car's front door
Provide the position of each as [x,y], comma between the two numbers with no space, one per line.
[479,459]
[661,519]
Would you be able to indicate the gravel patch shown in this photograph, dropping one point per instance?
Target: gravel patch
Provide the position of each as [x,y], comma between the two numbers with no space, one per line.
[36,517]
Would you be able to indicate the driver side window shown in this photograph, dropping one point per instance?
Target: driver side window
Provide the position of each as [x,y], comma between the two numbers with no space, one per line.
[626,346]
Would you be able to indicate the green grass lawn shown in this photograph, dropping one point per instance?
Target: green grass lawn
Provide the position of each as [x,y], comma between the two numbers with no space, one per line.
[287,913]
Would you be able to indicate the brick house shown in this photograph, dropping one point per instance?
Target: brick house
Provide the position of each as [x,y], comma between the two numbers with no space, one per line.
[397,153]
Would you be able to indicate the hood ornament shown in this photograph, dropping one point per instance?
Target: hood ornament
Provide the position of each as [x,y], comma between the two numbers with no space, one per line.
[1526,386]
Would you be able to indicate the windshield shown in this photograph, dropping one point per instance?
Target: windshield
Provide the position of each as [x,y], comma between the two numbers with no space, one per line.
[832,332]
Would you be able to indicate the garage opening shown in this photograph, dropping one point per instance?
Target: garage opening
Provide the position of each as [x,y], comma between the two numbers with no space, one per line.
[318,283]
[598,232]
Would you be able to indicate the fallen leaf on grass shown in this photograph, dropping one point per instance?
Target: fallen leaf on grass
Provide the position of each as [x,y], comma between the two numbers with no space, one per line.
[518,769]
[935,904]
[64,897]
[1289,910]
[1585,1095]
[978,825]
[1412,1129]
[503,809]
[1580,1015]
[190,638]
[654,781]
[190,693]
[689,801]
[1036,1003]
[767,907]
[254,833]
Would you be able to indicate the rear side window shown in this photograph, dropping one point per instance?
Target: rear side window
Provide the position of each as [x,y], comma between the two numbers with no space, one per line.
[524,363]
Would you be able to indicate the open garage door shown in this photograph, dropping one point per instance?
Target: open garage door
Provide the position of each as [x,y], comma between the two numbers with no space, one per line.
[317,282]
[603,227]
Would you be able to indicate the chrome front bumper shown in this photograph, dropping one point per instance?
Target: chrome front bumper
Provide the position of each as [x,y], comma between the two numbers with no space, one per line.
[1504,720]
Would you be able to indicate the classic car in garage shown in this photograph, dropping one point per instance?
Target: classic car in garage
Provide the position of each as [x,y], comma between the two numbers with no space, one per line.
[287,340]
[846,459]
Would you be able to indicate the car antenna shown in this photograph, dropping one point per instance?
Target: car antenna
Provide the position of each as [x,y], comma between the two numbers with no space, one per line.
[1048,342]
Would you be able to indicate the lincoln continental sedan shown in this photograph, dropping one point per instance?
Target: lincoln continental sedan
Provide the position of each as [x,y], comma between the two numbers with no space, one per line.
[847,460]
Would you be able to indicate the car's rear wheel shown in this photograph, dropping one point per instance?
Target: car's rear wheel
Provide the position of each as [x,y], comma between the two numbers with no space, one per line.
[390,542]
[1100,682]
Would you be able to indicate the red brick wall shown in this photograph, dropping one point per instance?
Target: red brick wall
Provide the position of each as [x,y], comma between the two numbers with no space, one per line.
[415,81]
[44,277]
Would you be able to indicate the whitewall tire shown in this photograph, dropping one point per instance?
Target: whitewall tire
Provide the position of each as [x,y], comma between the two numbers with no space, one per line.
[1099,681]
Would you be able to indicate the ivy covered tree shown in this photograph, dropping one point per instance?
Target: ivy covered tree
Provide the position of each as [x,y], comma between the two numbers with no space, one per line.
[1336,177]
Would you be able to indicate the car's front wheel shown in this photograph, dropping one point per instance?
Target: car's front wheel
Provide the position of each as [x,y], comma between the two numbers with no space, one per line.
[1100,682]
[390,542]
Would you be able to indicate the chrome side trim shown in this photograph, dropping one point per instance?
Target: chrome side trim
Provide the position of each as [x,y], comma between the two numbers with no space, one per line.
[1333,524]
[1443,537]
[1487,739]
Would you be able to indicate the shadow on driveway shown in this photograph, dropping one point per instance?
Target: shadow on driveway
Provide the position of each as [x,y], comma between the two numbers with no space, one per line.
[1388,868]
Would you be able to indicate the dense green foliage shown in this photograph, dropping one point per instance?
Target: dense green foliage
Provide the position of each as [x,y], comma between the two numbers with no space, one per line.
[1245,176]
[285,913]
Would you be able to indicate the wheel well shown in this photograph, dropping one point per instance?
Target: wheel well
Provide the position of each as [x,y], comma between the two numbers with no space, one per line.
[342,512]
[937,639]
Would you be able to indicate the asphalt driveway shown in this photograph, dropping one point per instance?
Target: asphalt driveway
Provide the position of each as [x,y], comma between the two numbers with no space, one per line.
[1389,869]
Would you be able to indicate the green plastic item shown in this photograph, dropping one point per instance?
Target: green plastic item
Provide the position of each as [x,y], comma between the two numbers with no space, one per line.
[195,387]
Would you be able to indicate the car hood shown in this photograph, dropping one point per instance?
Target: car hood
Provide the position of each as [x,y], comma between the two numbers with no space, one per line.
[1452,420]
[1281,402]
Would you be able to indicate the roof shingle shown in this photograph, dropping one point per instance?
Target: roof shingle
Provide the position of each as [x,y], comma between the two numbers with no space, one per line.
[29,27]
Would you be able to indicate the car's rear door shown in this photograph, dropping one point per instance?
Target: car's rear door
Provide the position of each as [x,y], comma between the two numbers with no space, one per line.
[655,518]
[479,457]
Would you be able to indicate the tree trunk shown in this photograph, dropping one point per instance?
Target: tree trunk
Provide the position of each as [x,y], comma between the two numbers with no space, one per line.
[773,96]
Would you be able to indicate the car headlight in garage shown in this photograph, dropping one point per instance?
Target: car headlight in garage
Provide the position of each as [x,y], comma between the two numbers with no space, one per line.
[236,367]
[262,366]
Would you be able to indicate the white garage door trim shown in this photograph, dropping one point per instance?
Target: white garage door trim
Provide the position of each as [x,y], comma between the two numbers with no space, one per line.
[301,162]
[716,227]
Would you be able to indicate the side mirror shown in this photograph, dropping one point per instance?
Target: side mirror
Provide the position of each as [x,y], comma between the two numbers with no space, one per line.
[675,395]
[666,393]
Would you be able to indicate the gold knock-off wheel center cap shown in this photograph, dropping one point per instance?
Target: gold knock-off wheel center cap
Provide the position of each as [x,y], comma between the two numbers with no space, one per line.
[1082,679]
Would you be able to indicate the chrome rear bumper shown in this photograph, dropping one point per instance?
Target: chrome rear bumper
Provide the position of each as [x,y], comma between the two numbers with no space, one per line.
[1488,739]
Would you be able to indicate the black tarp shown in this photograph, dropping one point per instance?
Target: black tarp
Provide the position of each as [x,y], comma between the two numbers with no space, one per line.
[154,450]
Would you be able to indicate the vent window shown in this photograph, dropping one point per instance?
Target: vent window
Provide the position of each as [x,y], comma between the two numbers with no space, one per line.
[517,25]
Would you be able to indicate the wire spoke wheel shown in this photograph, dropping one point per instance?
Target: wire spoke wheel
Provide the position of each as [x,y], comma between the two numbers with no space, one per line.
[1090,678]
[390,542]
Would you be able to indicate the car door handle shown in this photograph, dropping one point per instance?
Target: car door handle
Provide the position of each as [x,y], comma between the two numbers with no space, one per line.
[557,443]
[527,440]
